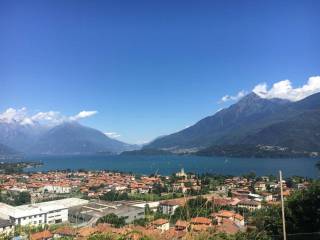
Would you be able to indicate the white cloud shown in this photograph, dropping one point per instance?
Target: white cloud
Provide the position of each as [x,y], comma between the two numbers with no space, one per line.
[284,89]
[27,121]
[22,117]
[13,115]
[83,114]
[50,117]
[112,134]
[236,97]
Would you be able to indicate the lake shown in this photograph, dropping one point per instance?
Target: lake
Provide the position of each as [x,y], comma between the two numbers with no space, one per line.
[166,165]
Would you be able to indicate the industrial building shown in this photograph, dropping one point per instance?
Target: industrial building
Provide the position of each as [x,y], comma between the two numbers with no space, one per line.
[40,213]
[92,211]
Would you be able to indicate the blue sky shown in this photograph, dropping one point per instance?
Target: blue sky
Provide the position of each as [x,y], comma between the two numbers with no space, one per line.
[150,68]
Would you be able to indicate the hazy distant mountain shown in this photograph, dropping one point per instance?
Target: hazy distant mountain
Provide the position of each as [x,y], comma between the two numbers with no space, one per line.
[6,151]
[73,138]
[66,138]
[253,120]
[20,136]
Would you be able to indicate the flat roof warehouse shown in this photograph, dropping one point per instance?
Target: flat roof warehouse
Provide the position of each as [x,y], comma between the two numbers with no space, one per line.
[38,208]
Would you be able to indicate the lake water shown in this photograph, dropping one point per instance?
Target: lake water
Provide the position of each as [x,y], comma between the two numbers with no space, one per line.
[166,165]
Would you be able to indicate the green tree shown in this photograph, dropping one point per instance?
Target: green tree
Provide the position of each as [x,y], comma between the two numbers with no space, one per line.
[304,210]
[22,198]
[301,212]
[114,196]
[198,207]
[140,222]
[147,210]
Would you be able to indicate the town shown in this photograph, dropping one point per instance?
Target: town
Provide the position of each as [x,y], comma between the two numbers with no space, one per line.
[82,204]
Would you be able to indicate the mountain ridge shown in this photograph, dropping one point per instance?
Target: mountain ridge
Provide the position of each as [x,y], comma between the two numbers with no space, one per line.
[65,138]
[253,121]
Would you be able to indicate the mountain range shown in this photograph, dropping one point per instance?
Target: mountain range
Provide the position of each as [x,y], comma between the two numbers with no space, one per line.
[254,123]
[254,126]
[65,138]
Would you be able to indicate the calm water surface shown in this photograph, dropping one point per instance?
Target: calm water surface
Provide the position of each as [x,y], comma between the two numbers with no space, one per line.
[166,165]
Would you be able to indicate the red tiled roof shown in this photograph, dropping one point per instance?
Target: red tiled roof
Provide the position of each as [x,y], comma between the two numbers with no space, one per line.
[41,235]
[201,220]
[66,231]
[181,223]
[160,221]
[86,231]
[228,226]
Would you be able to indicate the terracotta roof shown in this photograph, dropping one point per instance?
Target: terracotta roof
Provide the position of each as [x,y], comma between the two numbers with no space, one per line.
[201,220]
[66,231]
[228,226]
[221,201]
[286,193]
[41,235]
[172,234]
[175,202]
[103,227]
[238,217]
[160,221]
[228,214]
[248,202]
[225,214]
[199,228]
[86,231]
[181,223]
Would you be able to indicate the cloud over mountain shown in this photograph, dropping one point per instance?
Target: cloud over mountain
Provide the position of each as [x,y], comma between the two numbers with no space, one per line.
[23,117]
[284,89]
[83,114]
[112,134]
[12,114]
[236,97]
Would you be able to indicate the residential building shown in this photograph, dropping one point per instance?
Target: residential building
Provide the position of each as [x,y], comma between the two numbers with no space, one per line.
[168,207]
[161,224]
[249,204]
[260,186]
[199,224]
[57,188]
[181,226]
[225,214]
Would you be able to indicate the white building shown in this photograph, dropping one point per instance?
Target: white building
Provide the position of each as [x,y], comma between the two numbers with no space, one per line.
[168,207]
[181,173]
[53,188]
[161,224]
[249,204]
[152,205]
[40,213]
